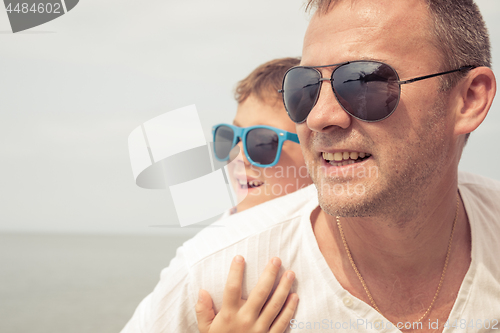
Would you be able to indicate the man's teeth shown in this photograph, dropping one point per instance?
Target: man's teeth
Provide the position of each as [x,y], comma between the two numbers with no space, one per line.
[344,158]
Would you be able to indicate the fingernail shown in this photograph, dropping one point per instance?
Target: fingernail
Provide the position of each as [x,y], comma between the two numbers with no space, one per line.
[238,258]
[290,276]
[295,298]
[200,296]
[276,262]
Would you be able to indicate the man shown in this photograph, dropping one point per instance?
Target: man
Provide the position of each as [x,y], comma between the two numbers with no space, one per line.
[400,238]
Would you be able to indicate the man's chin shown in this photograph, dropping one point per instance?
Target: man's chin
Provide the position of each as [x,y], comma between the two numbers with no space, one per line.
[347,204]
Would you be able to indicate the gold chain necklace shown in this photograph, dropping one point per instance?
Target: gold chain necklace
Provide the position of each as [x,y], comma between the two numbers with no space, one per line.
[363,281]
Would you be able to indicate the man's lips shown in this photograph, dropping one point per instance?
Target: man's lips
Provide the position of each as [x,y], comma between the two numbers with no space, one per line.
[341,158]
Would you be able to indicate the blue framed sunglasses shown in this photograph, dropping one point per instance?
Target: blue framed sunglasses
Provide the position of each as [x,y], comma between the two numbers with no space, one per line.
[261,144]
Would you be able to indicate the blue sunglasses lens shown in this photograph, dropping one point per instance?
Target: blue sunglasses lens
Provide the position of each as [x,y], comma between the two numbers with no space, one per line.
[262,145]
[223,142]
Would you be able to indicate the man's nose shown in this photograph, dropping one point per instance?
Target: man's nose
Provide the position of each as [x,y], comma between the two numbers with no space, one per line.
[327,113]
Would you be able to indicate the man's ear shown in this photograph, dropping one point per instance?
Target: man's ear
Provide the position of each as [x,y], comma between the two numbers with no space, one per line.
[477,91]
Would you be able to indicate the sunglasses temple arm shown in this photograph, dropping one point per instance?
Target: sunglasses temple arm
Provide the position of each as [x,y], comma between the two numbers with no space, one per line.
[292,137]
[437,74]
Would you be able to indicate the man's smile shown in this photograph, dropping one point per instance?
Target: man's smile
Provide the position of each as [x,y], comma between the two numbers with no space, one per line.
[345,158]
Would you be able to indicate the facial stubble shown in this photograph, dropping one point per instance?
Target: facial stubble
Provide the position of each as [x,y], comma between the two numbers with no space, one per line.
[402,182]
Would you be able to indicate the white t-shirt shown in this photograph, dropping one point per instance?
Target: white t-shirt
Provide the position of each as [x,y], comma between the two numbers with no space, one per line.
[282,228]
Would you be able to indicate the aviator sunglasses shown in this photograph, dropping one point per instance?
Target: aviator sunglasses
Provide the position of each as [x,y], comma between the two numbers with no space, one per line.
[261,144]
[367,90]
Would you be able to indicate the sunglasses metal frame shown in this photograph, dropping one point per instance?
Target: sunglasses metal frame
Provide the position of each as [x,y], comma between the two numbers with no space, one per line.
[240,133]
[339,65]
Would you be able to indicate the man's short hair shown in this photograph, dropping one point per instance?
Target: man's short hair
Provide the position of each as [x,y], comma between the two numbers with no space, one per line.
[265,80]
[459,33]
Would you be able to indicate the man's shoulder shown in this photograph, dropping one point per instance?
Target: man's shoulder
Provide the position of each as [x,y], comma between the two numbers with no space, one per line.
[481,197]
[479,186]
[285,211]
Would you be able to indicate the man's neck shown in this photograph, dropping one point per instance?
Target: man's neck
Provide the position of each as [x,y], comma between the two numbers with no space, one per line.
[399,262]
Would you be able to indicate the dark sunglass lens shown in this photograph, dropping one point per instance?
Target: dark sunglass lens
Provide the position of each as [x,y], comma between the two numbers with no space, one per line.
[367,90]
[301,88]
[262,145]
[223,141]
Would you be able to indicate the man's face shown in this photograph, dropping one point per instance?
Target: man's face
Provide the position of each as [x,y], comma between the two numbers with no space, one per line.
[411,152]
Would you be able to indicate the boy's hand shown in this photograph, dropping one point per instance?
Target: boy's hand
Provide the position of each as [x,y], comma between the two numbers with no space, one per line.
[261,313]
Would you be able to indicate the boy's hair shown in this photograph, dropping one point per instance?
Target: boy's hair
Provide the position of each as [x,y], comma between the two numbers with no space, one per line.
[264,81]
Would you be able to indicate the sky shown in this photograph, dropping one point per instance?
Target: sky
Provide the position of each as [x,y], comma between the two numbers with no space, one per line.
[73,89]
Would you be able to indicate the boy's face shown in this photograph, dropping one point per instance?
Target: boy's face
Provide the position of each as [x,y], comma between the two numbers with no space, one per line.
[288,175]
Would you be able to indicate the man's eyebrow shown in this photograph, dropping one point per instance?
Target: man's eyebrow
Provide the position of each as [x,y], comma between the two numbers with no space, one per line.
[362,58]
[385,61]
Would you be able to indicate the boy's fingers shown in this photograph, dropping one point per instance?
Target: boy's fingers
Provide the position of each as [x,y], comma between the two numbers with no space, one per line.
[258,296]
[204,311]
[232,291]
[275,303]
[281,322]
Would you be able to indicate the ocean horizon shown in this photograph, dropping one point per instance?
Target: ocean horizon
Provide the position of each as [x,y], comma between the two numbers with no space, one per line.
[58,283]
